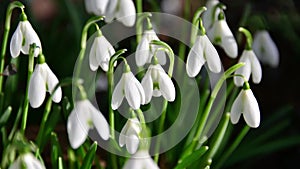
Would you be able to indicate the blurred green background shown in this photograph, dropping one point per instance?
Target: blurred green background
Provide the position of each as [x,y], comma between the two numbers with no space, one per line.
[276,143]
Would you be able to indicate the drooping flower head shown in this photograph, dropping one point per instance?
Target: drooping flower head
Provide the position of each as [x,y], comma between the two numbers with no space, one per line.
[265,48]
[220,34]
[129,135]
[209,17]
[23,37]
[100,53]
[140,160]
[145,51]
[156,83]
[202,51]
[130,88]
[42,80]
[252,65]
[123,10]
[84,117]
[246,104]
[27,160]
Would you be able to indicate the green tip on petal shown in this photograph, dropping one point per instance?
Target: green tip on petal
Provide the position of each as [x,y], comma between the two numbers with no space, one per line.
[246,86]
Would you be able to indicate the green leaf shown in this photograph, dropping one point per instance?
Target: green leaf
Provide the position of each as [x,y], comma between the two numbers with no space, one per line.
[5,116]
[60,163]
[192,158]
[56,150]
[89,157]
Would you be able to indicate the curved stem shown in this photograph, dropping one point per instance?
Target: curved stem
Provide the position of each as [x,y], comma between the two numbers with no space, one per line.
[248,37]
[26,99]
[195,22]
[11,7]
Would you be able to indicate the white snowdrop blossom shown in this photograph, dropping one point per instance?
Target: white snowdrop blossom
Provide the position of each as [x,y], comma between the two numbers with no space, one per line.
[156,83]
[201,52]
[96,7]
[100,53]
[209,17]
[220,34]
[130,135]
[123,10]
[140,160]
[22,38]
[252,65]
[130,88]
[246,104]
[27,160]
[145,51]
[42,80]
[84,117]
[265,48]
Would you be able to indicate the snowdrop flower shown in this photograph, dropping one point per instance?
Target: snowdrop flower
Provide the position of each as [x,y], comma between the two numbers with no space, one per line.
[145,50]
[202,51]
[246,104]
[129,87]
[123,10]
[140,160]
[209,16]
[27,160]
[130,135]
[96,7]
[23,37]
[220,34]
[265,48]
[156,83]
[100,53]
[252,65]
[84,117]
[42,80]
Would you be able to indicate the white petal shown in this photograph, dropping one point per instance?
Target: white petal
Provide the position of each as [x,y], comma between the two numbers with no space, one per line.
[207,16]
[132,164]
[211,55]
[132,93]
[31,162]
[89,6]
[149,163]
[92,56]
[126,13]
[103,53]
[99,122]
[244,70]
[132,143]
[230,46]
[52,81]
[147,84]
[118,94]
[16,42]
[100,6]
[142,52]
[195,59]
[77,126]
[122,136]
[37,89]
[166,87]
[237,108]
[161,57]
[110,10]
[255,68]
[30,37]
[265,48]
[251,110]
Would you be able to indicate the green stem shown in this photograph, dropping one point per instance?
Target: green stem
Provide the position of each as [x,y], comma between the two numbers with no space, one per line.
[26,99]
[11,7]
[208,108]
[195,22]
[110,78]
[160,129]
[248,38]
[233,146]
[139,25]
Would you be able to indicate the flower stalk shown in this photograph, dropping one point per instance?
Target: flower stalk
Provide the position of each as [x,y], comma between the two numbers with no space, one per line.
[11,7]
[26,99]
